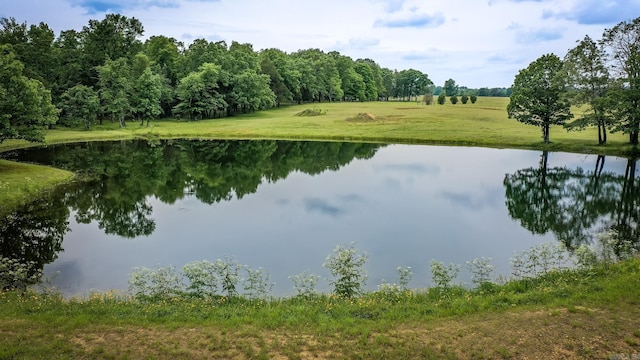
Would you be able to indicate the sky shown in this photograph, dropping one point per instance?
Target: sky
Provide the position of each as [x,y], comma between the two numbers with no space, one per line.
[477,43]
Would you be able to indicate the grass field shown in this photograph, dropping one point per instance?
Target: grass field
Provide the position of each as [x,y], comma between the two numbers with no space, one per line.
[482,124]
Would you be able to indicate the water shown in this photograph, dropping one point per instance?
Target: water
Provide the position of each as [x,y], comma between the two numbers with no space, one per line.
[284,206]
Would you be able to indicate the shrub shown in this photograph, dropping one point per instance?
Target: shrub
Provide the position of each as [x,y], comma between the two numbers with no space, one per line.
[428,99]
[347,267]
[464,99]
[203,278]
[453,99]
[473,99]
[442,98]
[257,284]
[228,271]
[481,270]
[539,260]
[161,283]
[305,284]
[443,274]
[17,275]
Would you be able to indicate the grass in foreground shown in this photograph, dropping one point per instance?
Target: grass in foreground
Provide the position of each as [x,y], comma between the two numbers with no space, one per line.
[565,314]
[21,182]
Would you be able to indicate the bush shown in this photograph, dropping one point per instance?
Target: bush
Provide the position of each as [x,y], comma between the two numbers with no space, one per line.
[442,98]
[464,99]
[443,274]
[347,268]
[203,278]
[481,270]
[161,283]
[17,275]
[473,99]
[453,99]
[428,99]
[305,284]
[257,284]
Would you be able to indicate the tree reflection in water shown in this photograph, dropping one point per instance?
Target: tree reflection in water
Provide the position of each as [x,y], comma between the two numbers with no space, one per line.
[120,177]
[575,204]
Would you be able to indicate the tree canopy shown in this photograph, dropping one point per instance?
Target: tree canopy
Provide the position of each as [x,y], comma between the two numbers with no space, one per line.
[537,97]
[25,104]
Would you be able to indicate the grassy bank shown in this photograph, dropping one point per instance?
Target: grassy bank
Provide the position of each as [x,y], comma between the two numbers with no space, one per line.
[565,314]
[21,182]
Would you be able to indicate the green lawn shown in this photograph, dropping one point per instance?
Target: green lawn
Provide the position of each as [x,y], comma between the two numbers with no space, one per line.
[482,124]
[21,182]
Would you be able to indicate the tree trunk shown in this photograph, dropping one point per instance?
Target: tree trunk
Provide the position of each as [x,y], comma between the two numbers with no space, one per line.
[600,134]
[545,133]
[633,138]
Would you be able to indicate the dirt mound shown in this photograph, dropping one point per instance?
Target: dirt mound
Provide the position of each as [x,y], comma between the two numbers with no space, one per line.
[363,117]
[311,112]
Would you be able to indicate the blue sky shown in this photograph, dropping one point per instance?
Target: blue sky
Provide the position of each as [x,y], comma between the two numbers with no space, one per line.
[475,42]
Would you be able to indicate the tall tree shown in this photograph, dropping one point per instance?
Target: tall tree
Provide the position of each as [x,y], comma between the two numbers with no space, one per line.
[68,70]
[410,83]
[25,104]
[389,82]
[145,99]
[285,78]
[80,105]
[33,46]
[113,37]
[164,53]
[538,95]
[589,78]
[622,42]
[352,82]
[198,93]
[450,87]
[368,77]
[115,88]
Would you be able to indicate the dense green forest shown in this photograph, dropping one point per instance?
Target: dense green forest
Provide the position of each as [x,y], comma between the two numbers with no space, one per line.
[106,72]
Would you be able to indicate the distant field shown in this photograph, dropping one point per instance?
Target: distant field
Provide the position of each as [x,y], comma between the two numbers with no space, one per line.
[482,124]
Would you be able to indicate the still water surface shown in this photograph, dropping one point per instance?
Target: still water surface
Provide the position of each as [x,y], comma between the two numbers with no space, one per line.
[284,206]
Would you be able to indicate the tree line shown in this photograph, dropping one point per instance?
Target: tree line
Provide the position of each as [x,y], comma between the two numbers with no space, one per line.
[603,75]
[105,71]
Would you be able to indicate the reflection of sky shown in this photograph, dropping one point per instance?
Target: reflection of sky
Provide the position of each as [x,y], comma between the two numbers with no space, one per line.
[404,207]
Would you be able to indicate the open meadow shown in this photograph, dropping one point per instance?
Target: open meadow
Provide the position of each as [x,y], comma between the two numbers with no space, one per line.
[484,123]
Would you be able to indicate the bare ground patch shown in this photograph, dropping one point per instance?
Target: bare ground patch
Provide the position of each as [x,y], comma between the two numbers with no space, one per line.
[577,333]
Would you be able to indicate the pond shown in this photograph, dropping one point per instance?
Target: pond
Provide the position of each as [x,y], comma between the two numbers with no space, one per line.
[284,206]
